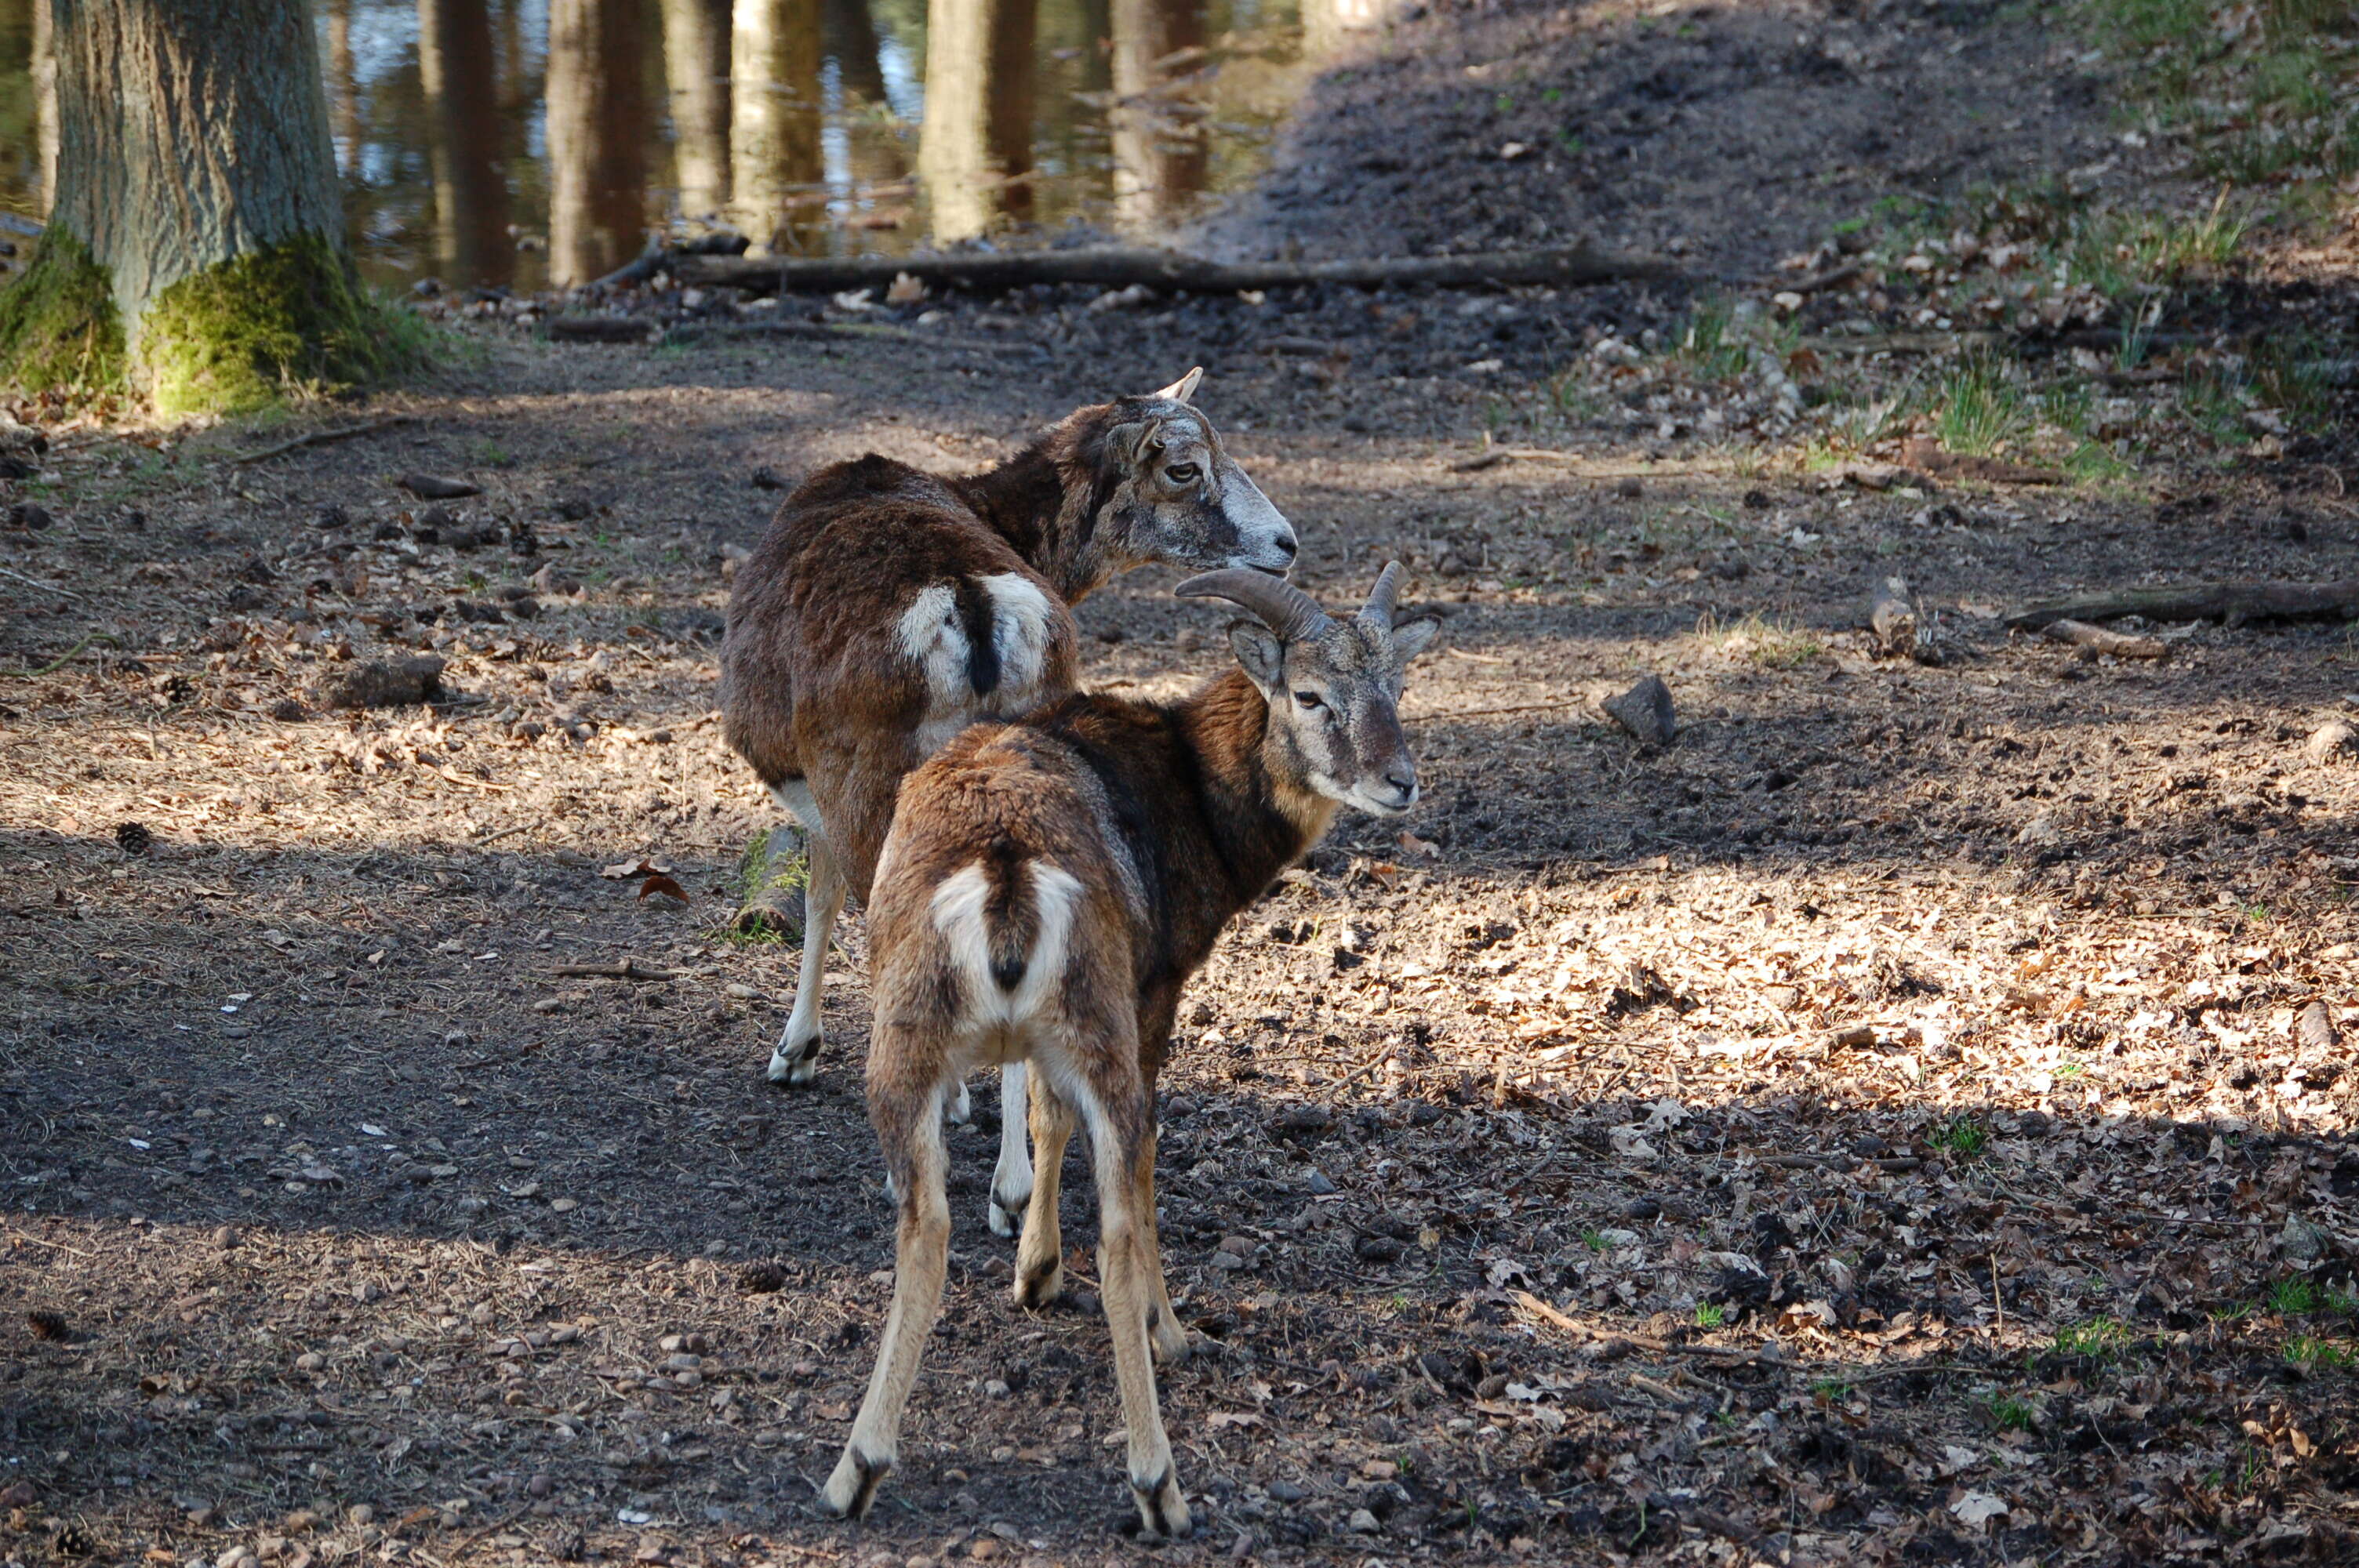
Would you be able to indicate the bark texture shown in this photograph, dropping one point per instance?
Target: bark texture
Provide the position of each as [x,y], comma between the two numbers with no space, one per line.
[190,132]
[44,100]
[597,137]
[471,189]
[696,63]
[194,245]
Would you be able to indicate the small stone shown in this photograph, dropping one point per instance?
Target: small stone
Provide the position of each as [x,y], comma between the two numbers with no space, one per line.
[1629,490]
[541,1486]
[360,1513]
[2332,741]
[565,1206]
[225,1237]
[1286,1492]
[331,516]
[1319,1185]
[1644,710]
[31,516]
[1362,1522]
[311,1361]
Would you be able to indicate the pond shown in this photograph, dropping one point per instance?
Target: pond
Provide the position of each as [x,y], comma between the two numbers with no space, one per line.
[526,142]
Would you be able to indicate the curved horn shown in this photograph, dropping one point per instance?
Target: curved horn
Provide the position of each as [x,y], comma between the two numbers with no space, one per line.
[1282,607]
[1378,610]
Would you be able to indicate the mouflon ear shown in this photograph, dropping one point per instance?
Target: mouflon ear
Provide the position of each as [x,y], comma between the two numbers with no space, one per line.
[1261,654]
[1183,389]
[1415,635]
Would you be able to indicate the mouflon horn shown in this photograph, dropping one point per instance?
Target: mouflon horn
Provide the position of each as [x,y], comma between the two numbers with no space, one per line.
[1282,607]
[1378,610]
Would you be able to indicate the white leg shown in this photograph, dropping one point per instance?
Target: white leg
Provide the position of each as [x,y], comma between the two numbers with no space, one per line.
[958,1106]
[920,1257]
[796,1061]
[1011,1180]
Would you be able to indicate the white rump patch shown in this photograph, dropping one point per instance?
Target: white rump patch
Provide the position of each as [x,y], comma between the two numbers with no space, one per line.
[929,632]
[1019,634]
[958,906]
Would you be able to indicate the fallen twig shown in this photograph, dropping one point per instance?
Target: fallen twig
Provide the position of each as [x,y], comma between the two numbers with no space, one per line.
[2095,640]
[322,437]
[63,659]
[44,587]
[617,970]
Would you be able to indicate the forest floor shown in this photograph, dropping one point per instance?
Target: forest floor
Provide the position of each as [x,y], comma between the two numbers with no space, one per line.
[1904,1121]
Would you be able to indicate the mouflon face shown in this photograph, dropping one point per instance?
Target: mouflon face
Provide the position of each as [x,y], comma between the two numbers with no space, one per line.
[1180,498]
[1333,688]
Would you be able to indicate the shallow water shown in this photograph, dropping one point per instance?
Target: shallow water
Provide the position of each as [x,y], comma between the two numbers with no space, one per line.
[811,126]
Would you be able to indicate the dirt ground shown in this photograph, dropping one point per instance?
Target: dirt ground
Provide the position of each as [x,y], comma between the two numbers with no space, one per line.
[1889,1125]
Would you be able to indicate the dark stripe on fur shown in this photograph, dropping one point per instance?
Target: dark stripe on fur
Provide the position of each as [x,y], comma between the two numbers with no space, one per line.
[982,647]
[1004,912]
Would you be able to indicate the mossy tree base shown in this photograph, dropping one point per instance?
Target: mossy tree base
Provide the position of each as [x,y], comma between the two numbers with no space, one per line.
[59,328]
[288,318]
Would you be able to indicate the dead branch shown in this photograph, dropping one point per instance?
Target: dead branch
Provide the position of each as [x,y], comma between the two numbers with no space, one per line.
[1119,266]
[2230,603]
[616,969]
[2095,640]
[322,437]
[44,587]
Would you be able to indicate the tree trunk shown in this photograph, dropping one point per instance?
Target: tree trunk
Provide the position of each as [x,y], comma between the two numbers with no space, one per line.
[471,189]
[977,132]
[953,150]
[1015,36]
[696,63]
[1158,156]
[597,134]
[44,100]
[194,247]
[343,89]
[773,147]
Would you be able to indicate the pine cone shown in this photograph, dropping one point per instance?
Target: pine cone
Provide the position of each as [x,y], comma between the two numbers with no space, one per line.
[75,1542]
[761,1279]
[46,1325]
[180,689]
[134,837]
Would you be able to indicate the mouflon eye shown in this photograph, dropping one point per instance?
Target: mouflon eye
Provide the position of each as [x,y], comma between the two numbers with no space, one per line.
[1309,701]
[1182,473]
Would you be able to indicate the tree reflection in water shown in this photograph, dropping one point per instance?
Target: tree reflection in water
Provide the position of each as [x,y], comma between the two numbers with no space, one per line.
[522,142]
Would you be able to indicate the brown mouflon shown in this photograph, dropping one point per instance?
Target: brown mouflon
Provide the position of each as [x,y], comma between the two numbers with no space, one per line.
[1047,887]
[886,608]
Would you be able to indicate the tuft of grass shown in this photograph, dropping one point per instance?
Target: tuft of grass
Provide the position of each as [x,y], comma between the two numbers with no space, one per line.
[1833,1390]
[1712,347]
[1710,1314]
[2293,1295]
[1772,645]
[2010,1412]
[1961,1136]
[2310,1352]
[1980,407]
[2102,1338]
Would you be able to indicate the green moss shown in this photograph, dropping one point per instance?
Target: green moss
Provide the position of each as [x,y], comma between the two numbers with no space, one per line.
[58,323]
[288,318]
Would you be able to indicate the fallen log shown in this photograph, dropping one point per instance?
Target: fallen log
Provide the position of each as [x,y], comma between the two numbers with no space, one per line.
[2230,603]
[2095,640]
[1120,266]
